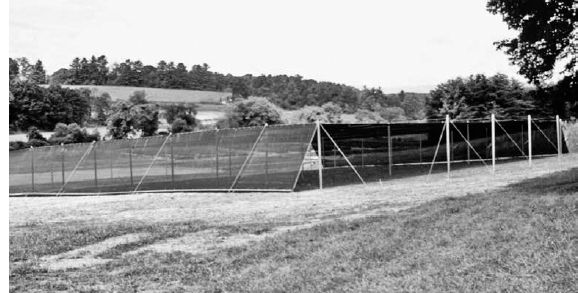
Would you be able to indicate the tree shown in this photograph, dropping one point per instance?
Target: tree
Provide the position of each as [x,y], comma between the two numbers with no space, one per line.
[392,114]
[72,133]
[138,98]
[366,116]
[14,69]
[180,110]
[414,105]
[145,118]
[180,125]
[38,74]
[120,123]
[34,133]
[101,107]
[253,111]
[479,96]
[547,35]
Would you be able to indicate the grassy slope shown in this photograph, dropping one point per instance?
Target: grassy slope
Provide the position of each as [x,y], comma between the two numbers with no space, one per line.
[522,238]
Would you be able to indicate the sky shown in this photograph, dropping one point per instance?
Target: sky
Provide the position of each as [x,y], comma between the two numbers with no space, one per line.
[411,45]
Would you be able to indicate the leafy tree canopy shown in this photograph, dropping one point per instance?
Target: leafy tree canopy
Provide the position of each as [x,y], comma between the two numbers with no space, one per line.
[547,33]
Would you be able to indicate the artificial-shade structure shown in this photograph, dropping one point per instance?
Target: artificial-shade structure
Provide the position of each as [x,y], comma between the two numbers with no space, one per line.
[268,158]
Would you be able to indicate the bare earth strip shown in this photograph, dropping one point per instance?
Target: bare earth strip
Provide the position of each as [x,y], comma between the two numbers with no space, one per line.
[302,209]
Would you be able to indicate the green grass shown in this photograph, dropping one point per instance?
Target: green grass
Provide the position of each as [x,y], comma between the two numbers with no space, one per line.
[518,239]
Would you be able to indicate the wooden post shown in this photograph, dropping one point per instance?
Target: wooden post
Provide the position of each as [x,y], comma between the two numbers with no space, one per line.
[32,167]
[448,144]
[95,164]
[530,140]
[319,155]
[468,138]
[389,149]
[493,126]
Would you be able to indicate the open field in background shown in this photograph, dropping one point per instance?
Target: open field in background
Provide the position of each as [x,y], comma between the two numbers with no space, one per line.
[476,232]
[158,94]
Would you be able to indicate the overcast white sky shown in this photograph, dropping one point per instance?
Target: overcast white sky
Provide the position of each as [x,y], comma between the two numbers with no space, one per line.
[410,45]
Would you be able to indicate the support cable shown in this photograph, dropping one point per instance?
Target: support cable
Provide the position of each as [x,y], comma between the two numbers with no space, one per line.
[249,156]
[470,145]
[544,134]
[75,167]
[152,163]
[517,146]
[436,152]
[339,149]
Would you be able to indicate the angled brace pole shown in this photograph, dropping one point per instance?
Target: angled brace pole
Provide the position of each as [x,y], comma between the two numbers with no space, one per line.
[345,157]
[249,156]
[303,159]
[152,162]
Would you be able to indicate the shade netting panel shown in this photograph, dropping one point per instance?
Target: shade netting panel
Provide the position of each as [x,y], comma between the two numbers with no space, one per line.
[277,157]
[231,159]
[367,145]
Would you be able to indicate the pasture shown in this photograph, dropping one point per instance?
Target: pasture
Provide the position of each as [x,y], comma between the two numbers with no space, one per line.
[512,231]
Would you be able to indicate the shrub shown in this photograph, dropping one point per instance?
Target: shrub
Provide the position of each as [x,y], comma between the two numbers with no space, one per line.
[180,125]
[254,111]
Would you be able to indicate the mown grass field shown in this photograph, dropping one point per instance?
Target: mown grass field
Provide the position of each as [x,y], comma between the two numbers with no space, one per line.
[517,238]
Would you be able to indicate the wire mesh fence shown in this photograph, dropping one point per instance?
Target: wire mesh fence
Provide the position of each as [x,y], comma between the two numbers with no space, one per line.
[272,157]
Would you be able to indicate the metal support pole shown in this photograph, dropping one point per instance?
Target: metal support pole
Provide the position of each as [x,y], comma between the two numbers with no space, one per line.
[493,125]
[420,154]
[319,162]
[130,164]
[62,162]
[266,163]
[217,156]
[362,153]
[559,136]
[95,164]
[172,162]
[389,149]
[530,140]
[468,138]
[32,167]
[448,146]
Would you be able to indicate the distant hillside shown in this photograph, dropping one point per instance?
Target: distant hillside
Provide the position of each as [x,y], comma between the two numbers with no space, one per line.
[159,95]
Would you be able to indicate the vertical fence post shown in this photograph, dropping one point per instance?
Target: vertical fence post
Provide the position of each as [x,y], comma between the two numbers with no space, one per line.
[493,125]
[95,164]
[172,162]
[529,140]
[130,163]
[559,137]
[389,149]
[319,161]
[217,140]
[448,144]
[468,138]
[266,163]
[362,153]
[52,174]
[62,162]
[32,167]
[420,154]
